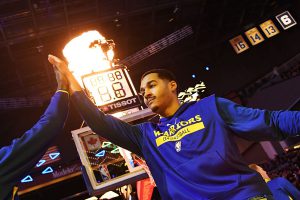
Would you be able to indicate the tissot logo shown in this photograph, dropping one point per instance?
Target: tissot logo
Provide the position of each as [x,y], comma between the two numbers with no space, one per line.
[122,104]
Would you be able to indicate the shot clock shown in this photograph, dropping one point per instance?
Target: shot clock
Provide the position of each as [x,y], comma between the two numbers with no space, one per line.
[91,60]
[111,90]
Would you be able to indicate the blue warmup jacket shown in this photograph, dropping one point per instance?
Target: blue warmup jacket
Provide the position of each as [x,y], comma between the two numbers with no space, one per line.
[192,155]
[281,189]
[17,159]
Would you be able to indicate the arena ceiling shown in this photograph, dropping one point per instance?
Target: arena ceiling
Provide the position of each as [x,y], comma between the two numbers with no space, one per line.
[32,29]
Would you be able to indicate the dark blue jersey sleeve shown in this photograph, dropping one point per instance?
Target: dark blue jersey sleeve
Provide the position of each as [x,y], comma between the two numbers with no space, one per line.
[281,189]
[23,153]
[111,128]
[256,124]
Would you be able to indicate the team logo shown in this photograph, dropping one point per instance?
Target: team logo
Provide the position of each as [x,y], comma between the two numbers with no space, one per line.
[178,146]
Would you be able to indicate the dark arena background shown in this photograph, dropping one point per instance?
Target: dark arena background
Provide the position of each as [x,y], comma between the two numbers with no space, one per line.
[246,51]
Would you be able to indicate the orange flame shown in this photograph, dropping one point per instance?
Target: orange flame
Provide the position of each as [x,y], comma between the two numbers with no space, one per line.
[85,54]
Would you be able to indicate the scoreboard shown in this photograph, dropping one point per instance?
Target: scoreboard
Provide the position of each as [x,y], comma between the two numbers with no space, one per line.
[111,90]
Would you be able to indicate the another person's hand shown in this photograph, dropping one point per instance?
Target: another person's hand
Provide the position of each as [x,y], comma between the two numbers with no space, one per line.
[62,81]
[63,76]
[60,65]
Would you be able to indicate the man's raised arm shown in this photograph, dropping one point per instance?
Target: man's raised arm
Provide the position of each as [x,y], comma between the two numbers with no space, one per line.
[107,126]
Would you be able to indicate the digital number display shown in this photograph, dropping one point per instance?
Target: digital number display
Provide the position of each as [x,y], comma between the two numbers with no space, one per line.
[107,87]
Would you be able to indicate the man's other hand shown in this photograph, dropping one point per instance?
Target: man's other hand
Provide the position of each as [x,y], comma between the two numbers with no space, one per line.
[62,81]
[59,64]
[63,76]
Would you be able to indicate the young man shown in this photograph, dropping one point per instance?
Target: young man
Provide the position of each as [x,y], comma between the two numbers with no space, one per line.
[17,159]
[191,152]
[280,187]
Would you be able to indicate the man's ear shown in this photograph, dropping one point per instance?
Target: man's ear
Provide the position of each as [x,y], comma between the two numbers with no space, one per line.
[173,85]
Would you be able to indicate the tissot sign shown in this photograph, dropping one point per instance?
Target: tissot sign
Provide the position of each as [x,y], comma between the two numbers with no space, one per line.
[121,104]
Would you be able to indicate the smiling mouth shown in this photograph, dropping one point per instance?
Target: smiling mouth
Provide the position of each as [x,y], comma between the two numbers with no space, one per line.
[150,101]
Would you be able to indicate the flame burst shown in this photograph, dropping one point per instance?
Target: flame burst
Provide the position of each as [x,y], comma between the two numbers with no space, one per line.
[90,52]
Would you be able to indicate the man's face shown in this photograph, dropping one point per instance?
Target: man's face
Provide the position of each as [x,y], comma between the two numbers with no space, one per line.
[158,93]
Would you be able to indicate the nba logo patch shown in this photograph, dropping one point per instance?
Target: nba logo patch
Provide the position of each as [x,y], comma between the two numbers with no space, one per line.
[178,146]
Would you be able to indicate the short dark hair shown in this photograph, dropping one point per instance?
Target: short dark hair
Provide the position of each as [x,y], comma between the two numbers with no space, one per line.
[162,73]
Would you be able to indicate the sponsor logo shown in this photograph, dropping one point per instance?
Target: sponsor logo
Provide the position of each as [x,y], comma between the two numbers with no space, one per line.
[122,104]
[66,171]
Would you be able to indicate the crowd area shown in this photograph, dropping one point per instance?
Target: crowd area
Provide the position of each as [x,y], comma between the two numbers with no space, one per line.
[285,165]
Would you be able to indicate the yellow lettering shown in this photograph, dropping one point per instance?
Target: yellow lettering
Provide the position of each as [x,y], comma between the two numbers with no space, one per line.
[180,134]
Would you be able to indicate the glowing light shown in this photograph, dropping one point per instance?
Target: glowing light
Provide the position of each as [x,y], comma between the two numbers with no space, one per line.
[87,53]
[297,147]
[40,163]
[47,170]
[54,155]
[116,150]
[27,179]
[109,195]
[92,198]
[106,144]
[100,154]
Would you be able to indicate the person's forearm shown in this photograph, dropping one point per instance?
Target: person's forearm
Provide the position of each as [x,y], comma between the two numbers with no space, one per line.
[117,131]
[19,157]
[73,84]
[113,129]
[256,124]
[288,122]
